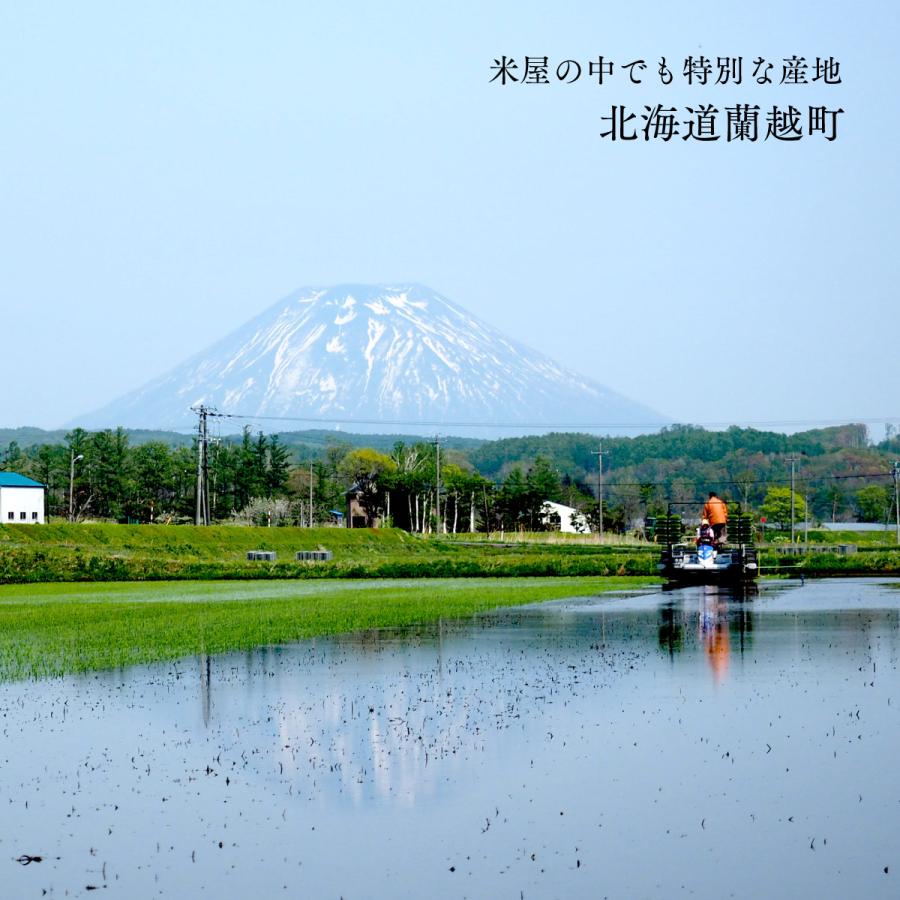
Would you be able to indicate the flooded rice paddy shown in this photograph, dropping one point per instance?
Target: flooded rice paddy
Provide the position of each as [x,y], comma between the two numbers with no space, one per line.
[685,743]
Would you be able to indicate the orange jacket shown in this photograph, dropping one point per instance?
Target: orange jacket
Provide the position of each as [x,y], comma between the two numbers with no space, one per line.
[716,511]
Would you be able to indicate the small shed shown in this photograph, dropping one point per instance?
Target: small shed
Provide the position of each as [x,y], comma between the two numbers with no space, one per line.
[356,513]
[21,500]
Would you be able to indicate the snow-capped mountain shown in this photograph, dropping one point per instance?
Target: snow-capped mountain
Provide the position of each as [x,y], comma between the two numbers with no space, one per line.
[373,358]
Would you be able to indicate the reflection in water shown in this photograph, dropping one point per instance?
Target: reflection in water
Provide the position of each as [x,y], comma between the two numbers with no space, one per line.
[713,626]
[722,618]
[205,681]
[571,749]
[671,629]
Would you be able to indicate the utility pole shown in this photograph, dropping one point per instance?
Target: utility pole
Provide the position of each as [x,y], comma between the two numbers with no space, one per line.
[895,474]
[73,459]
[201,513]
[437,469]
[806,517]
[310,494]
[792,459]
[599,452]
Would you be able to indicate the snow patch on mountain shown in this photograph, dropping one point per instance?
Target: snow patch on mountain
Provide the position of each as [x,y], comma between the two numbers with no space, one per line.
[379,353]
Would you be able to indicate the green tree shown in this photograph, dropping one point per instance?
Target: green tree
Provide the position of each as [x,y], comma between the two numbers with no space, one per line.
[246,466]
[542,484]
[278,468]
[411,484]
[833,501]
[107,464]
[776,507]
[260,465]
[51,467]
[480,494]
[223,468]
[13,458]
[743,481]
[184,482]
[455,507]
[363,470]
[874,503]
[328,491]
[613,516]
[153,480]
[512,500]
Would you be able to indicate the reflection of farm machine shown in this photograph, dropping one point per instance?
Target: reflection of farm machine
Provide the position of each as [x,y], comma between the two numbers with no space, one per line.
[705,562]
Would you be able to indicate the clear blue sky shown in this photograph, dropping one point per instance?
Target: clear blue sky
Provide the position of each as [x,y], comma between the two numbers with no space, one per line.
[171,169]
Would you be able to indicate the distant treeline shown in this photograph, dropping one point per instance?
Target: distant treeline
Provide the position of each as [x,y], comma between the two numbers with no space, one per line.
[484,485]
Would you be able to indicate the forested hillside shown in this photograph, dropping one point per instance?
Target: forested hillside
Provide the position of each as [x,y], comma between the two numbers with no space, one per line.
[484,485]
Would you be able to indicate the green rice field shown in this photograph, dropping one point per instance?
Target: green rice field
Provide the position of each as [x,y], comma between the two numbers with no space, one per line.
[56,629]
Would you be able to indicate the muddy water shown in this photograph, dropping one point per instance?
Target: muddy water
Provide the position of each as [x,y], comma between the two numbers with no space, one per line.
[688,743]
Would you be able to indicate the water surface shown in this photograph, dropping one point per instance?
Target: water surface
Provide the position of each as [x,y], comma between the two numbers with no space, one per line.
[686,743]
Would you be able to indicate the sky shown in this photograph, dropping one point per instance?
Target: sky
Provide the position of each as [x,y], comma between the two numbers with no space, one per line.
[169,170]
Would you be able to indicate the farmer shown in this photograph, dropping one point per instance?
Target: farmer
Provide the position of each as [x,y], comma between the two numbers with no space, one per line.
[705,534]
[717,512]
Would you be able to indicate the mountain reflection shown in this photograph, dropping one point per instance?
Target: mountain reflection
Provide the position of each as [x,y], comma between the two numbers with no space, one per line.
[393,718]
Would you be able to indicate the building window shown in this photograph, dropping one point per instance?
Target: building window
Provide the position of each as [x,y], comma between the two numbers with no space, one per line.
[34,516]
[21,515]
[12,515]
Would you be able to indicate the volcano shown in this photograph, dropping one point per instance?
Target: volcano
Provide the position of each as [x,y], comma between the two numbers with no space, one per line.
[387,358]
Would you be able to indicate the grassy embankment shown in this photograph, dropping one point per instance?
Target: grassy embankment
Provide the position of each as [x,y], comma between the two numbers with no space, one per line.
[32,553]
[49,630]
[105,552]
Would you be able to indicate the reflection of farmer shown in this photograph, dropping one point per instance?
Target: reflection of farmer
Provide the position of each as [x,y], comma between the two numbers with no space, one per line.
[717,512]
[717,649]
[714,631]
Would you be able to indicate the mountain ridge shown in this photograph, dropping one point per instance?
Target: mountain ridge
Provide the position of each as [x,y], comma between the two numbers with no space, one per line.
[375,355]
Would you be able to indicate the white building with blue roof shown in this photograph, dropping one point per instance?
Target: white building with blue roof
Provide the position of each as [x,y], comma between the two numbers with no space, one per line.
[21,500]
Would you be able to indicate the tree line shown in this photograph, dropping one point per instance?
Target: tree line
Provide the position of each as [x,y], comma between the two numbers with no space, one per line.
[492,485]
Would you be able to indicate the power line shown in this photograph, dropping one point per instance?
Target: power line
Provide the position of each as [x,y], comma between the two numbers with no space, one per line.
[443,423]
[753,481]
[687,482]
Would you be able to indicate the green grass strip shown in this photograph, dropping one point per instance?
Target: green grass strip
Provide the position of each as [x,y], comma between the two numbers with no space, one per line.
[56,629]
[95,553]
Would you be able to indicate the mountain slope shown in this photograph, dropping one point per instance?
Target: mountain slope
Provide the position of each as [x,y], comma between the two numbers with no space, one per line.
[375,355]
